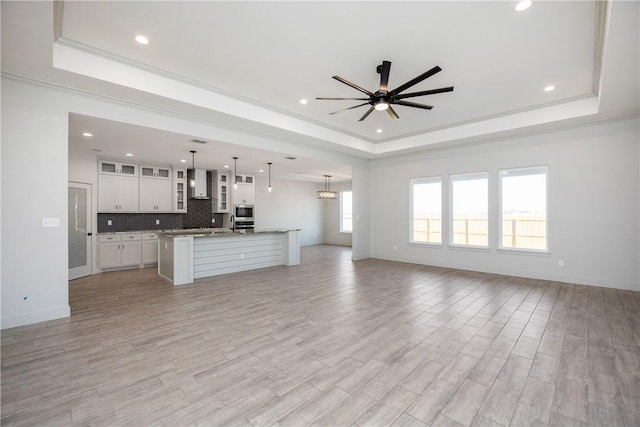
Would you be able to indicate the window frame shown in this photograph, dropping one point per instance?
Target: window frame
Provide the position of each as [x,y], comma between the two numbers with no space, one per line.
[341,221]
[502,248]
[486,175]
[425,180]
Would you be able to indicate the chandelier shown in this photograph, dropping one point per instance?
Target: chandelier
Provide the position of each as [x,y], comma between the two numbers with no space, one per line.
[327,193]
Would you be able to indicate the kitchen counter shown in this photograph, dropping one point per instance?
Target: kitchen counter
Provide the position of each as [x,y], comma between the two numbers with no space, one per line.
[221,232]
[186,255]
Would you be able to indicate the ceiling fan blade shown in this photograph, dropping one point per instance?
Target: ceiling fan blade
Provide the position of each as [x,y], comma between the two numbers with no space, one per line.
[353,85]
[367,113]
[392,113]
[416,80]
[413,104]
[425,92]
[350,108]
[384,76]
[343,99]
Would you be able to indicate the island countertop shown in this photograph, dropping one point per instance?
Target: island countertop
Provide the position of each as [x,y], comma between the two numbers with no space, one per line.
[222,232]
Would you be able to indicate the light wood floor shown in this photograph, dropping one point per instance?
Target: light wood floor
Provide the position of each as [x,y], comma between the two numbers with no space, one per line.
[329,343]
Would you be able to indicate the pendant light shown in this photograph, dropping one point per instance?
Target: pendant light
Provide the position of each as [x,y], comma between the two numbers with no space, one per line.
[192,181]
[235,172]
[327,194]
[269,189]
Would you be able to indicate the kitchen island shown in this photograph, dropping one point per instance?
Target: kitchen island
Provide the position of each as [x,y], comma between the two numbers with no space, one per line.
[184,256]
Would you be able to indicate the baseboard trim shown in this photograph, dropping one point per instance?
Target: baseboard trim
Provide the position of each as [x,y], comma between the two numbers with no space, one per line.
[40,316]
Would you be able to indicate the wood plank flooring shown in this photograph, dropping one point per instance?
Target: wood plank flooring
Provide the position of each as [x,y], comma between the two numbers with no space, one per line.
[329,343]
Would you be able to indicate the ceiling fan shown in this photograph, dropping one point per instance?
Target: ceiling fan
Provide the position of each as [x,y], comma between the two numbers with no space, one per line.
[383,98]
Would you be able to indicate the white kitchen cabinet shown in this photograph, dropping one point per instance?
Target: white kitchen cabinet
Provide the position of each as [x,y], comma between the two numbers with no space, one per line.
[244,194]
[117,187]
[119,250]
[221,193]
[149,248]
[156,195]
[159,172]
[179,190]
[246,179]
[117,193]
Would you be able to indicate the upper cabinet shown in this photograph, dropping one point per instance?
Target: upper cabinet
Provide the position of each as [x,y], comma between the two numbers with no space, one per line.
[117,187]
[179,190]
[156,189]
[155,172]
[246,179]
[245,191]
[221,194]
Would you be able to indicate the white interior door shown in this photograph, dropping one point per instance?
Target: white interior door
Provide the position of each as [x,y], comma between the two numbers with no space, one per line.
[79,230]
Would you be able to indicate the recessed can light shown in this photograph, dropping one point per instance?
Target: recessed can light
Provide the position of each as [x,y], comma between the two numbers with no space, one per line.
[261,170]
[523,5]
[378,130]
[549,88]
[183,161]
[226,166]
[87,134]
[129,155]
[142,39]
[303,101]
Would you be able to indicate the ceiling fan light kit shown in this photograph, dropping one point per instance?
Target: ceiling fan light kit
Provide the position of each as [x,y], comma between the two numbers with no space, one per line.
[383,98]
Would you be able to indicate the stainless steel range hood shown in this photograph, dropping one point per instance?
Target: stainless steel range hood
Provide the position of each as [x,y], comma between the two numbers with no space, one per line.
[197,181]
[198,184]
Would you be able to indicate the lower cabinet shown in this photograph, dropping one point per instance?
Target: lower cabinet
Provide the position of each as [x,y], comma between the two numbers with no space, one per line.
[119,250]
[149,248]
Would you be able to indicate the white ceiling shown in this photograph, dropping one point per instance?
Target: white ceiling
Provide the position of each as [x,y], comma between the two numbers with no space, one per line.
[246,65]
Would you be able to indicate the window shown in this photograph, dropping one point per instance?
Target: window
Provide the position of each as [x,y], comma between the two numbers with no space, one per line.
[470,209]
[426,203]
[346,212]
[523,196]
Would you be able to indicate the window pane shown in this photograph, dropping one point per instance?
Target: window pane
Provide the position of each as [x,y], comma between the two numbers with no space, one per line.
[470,207]
[524,208]
[346,212]
[426,223]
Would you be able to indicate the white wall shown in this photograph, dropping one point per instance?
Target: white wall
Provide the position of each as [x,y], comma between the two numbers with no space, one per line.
[593,204]
[34,186]
[331,221]
[291,204]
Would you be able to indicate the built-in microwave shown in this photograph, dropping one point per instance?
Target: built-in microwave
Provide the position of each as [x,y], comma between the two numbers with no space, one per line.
[243,213]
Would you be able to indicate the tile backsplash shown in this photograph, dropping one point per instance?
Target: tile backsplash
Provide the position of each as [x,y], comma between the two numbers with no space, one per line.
[139,221]
[198,215]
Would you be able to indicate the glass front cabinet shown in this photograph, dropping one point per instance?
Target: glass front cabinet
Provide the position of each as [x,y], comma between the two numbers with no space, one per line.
[180,190]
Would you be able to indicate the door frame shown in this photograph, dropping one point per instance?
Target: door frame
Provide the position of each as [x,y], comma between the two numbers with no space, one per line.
[86,270]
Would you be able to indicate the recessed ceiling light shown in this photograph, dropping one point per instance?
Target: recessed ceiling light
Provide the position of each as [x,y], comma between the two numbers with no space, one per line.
[226,166]
[261,170]
[378,130]
[142,39]
[87,134]
[129,155]
[549,88]
[183,161]
[523,5]
[303,101]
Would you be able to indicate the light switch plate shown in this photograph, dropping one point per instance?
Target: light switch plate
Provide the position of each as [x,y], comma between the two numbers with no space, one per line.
[51,222]
[109,222]
[157,222]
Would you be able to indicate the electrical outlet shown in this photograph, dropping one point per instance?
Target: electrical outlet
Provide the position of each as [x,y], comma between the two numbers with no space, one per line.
[51,222]
[109,222]
[213,220]
[561,263]
[157,222]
